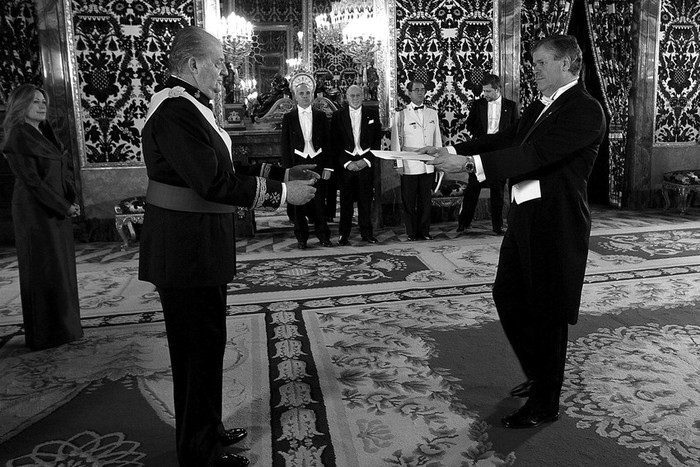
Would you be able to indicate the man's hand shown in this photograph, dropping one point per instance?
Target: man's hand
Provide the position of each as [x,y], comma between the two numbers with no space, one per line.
[303,172]
[433,151]
[353,166]
[73,210]
[452,163]
[300,191]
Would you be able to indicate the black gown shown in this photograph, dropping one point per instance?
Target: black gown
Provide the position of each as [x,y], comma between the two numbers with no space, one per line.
[43,193]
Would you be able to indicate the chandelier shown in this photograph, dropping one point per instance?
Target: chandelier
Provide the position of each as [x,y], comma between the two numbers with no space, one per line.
[236,34]
[352,27]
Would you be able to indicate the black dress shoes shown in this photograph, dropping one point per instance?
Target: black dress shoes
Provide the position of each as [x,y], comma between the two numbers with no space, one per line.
[461,227]
[528,417]
[499,231]
[230,460]
[522,390]
[326,243]
[427,237]
[343,241]
[369,239]
[301,245]
[232,436]
[411,238]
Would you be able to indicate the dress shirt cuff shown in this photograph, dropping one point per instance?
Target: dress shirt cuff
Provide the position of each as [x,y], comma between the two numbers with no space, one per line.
[369,164]
[283,199]
[345,166]
[479,169]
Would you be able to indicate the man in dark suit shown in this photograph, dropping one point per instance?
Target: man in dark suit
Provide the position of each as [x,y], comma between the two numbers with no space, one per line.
[547,156]
[305,141]
[356,130]
[489,114]
[188,248]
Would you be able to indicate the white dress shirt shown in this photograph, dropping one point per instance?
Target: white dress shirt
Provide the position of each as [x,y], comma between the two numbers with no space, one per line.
[306,122]
[494,115]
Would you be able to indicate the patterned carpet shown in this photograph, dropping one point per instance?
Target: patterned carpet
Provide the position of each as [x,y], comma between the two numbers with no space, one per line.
[374,355]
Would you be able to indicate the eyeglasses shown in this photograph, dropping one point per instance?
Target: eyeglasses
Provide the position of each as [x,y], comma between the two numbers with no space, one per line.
[418,90]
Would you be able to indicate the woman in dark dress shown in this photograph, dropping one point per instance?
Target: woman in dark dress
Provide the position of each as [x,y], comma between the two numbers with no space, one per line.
[43,203]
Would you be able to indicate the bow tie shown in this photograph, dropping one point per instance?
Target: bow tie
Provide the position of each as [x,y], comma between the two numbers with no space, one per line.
[546,100]
[305,111]
[355,111]
[418,107]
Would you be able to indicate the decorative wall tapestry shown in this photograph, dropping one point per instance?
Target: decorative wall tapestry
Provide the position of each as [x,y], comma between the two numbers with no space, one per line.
[678,85]
[20,62]
[611,35]
[449,45]
[540,18]
[120,49]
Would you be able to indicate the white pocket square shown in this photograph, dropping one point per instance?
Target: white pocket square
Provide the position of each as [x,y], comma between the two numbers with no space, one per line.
[371,121]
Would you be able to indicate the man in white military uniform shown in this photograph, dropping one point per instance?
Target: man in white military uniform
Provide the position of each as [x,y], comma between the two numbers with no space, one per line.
[414,127]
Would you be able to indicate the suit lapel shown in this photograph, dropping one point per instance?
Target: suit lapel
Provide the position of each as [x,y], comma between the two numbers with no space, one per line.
[347,123]
[553,108]
[484,113]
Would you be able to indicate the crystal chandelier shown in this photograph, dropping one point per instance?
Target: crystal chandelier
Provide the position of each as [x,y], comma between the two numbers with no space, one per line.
[236,35]
[353,27]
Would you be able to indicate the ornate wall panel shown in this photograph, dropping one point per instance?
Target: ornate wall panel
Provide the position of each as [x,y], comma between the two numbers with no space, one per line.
[449,45]
[611,35]
[19,50]
[120,53]
[540,18]
[678,85]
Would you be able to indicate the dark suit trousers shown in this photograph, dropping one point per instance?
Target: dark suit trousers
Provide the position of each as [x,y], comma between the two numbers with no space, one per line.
[471,199]
[314,210]
[536,328]
[415,196]
[356,186]
[195,322]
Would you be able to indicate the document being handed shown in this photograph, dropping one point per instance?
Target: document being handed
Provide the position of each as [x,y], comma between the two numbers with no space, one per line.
[402,155]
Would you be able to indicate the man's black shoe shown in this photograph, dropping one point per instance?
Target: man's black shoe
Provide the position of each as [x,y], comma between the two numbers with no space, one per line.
[369,239]
[527,417]
[232,436]
[301,245]
[427,237]
[461,227]
[230,460]
[522,390]
[326,243]
[411,238]
[499,231]
[343,241]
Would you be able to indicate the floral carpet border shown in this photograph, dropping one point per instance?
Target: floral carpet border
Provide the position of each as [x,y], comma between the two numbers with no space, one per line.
[9,331]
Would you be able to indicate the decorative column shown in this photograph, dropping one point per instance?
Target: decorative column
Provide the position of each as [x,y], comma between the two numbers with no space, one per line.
[645,29]
[507,56]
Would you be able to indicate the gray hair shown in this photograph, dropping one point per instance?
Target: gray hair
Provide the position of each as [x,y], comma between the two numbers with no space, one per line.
[563,46]
[189,42]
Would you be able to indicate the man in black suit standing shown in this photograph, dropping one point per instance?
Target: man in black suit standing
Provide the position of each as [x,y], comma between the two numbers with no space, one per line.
[356,130]
[489,114]
[188,247]
[547,156]
[305,141]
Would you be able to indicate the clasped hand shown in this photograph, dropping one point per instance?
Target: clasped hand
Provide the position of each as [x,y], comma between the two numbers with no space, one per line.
[447,162]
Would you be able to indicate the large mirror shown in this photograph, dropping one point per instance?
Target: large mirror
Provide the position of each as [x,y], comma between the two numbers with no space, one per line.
[288,37]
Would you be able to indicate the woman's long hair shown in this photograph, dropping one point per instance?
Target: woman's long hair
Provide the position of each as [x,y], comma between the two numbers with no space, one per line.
[18,103]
